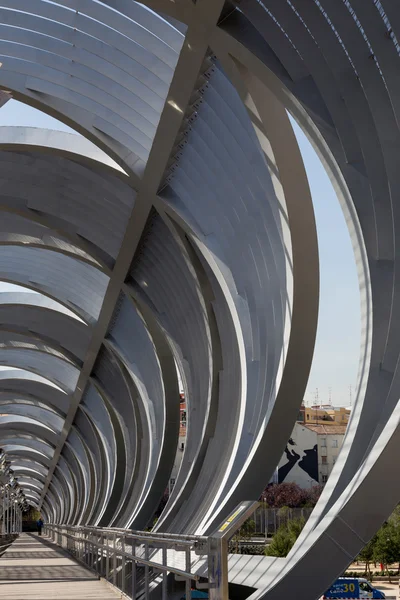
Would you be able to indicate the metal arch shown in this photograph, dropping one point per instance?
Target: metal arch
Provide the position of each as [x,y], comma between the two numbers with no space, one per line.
[111,381]
[68,145]
[62,333]
[35,300]
[91,111]
[46,417]
[154,283]
[95,448]
[63,492]
[352,178]
[19,315]
[117,440]
[27,339]
[86,205]
[278,142]
[31,427]
[78,447]
[70,483]
[30,465]
[200,13]
[9,398]
[204,146]
[188,68]
[28,458]
[28,384]
[56,369]
[39,448]
[103,418]
[130,340]
[165,358]
[71,462]
[31,486]
[25,477]
[17,230]
[19,265]
[314,58]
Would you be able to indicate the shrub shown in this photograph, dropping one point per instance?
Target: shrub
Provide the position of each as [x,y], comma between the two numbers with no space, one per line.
[285,537]
[278,495]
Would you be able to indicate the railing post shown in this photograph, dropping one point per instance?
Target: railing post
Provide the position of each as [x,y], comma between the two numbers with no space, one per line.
[107,560]
[134,570]
[123,565]
[4,512]
[218,568]
[7,509]
[102,555]
[218,550]
[165,574]
[146,572]
[188,567]
[115,559]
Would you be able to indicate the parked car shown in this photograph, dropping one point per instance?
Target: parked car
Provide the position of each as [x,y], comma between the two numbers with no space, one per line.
[353,588]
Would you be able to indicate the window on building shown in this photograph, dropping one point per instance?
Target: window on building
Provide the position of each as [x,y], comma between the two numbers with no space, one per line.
[324,478]
[333,460]
[308,417]
[323,442]
[324,460]
[334,443]
[343,417]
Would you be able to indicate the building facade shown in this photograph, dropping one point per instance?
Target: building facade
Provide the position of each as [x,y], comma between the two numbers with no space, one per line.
[299,464]
[329,441]
[311,453]
[324,414]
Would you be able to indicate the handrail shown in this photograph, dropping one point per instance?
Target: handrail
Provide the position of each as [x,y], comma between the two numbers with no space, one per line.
[144,535]
[127,558]
[139,559]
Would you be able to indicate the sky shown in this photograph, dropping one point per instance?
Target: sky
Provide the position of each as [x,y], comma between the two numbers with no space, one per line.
[337,349]
[335,364]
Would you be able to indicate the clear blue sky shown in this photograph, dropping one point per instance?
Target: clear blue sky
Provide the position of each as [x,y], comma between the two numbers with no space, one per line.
[337,350]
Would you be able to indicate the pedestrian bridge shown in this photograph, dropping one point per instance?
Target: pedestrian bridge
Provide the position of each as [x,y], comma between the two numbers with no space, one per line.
[166,243]
[34,568]
[66,562]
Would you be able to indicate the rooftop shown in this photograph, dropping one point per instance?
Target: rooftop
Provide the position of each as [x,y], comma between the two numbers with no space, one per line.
[327,429]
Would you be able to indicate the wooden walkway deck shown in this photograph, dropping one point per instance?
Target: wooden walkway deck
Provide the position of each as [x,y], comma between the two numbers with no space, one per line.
[35,568]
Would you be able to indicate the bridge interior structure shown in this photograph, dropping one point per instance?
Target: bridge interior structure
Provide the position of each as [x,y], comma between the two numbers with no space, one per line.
[174,233]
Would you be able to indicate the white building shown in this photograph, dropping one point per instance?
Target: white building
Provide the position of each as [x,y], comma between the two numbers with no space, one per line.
[330,440]
[310,454]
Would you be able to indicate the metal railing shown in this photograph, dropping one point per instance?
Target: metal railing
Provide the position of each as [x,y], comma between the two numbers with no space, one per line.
[268,520]
[132,561]
[137,562]
[10,512]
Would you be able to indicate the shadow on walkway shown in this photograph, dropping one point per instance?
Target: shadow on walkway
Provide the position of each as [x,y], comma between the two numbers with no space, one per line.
[50,571]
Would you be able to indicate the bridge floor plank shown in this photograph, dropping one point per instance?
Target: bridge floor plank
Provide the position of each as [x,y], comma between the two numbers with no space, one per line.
[35,568]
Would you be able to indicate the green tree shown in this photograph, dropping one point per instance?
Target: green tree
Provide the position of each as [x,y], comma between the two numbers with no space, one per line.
[284,539]
[246,532]
[31,515]
[387,545]
[367,555]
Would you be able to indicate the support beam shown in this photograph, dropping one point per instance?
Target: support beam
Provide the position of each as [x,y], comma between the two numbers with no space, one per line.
[203,18]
